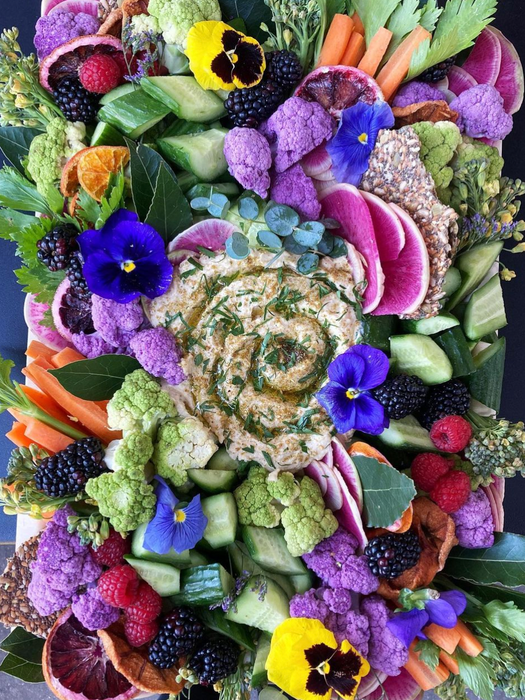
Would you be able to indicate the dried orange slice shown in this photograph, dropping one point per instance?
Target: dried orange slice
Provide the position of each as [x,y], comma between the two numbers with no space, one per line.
[95,166]
[69,181]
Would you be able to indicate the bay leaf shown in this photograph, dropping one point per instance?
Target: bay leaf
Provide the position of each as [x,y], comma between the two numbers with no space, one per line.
[98,379]
[24,645]
[144,168]
[169,213]
[26,671]
[15,142]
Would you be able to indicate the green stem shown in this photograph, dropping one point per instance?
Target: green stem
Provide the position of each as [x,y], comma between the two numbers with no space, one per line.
[28,408]
[445,583]
[479,422]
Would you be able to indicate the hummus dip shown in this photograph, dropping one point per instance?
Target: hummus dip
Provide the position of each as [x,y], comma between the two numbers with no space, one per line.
[257,340]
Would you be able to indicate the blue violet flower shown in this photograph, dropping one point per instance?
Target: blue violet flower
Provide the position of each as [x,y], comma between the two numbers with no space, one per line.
[125,259]
[173,526]
[346,397]
[355,139]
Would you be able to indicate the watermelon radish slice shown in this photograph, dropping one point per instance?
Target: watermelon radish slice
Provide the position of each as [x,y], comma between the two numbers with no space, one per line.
[343,462]
[210,234]
[326,176]
[407,278]
[493,508]
[370,682]
[484,61]
[401,687]
[328,459]
[34,312]
[510,82]
[345,204]
[459,80]
[390,234]
[55,311]
[89,7]
[47,6]
[317,161]
[349,516]
[315,471]
[325,477]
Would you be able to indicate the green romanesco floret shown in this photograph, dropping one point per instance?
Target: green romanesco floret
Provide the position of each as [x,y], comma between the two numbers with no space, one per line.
[49,151]
[124,497]
[134,450]
[177,17]
[140,405]
[144,24]
[439,142]
[182,445]
[307,522]
[284,487]
[470,149]
[255,504]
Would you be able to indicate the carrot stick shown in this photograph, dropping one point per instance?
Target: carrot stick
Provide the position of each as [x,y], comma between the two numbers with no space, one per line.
[17,435]
[468,641]
[66,357]
[375,51]
[394,72]
[51,440]
[450,662]
[336,40]
[447,639]
[359,27]
[354,51]
[48,404]
[37,349]
[424,676]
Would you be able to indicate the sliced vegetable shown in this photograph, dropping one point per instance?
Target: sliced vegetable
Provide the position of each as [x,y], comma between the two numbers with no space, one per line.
[265,612]
[375,51]
[66,357]
[203,585]
[50,439]
[468,641]
[396,69]
[486,384]
[426,678]
[456,347]
[354,51]
[485,310]
[447,639]
[17,435]
[37,349]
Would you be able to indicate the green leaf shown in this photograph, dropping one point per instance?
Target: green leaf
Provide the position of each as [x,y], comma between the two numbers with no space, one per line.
[88,208]
[428,653]
[12,221]
[503,563]
[291,245]
[27,239]
[15,142]
[430,15]
[237,246]
[488,593]
[23,645]
[374,15]
[387,493]
[506,617]
[248,208]
[309,234]
[144,167]
[17,192]
[169,213]
[253,12]
[477,674]
[98,379]
[281,219]
[403,20]
[26,671]
[39,280]
[269,240]
[307,263]
[113,198]
[339,250]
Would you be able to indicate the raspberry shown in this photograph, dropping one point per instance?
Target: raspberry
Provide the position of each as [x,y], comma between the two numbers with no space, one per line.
[119,586]
[112,550]
[427,469]
[451,434]
[139,633]
[147,607]
[100,74]
[451,491]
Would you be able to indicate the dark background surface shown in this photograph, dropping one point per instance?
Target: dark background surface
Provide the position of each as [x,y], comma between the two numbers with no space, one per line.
[510,19]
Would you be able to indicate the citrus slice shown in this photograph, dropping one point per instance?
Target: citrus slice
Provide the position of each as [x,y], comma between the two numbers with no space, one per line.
[69,181]
[96,165]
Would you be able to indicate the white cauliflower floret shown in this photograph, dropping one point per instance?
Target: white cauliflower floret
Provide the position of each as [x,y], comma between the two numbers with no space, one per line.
[177,17]
[144,24]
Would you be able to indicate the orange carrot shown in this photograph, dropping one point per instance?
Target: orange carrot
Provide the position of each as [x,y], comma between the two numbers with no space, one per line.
[37,349]
[336,40]
[354,51]
[468,641]
[450,662]
[51,440]
[65,357]
[358,25]
[424,676]
[396,69]
[49,405]
[447,639]
[375,51]
[43,362]
[17,435]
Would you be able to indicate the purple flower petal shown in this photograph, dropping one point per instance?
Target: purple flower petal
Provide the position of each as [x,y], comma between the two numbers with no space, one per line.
[457,600]
[376,366]
[441,613]
[406,626]
[340,408]
[190,531]
[122,216]
[164,493]
[370,415]
[347,369]
[160,531]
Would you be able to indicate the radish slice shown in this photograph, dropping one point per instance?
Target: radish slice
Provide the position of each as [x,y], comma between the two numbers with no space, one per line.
[343,462]
[499,486]
[484,61]
[88,7]
[211,234]
[328,459]
[33,314]
[389,232]
[493,508]
[370,682]
[326,176]
[315,472]
[459,80]
[349,516]
[401,687]
[316,162]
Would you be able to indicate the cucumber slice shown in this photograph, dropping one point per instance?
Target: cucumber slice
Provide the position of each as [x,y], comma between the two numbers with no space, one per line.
[106,135]
[376,331]
[213,480]
[432,325]
[117,92]
[221,511]
[259,674]
[303,582]
[419,355]
[202,154]
[163,578]
[407,434]
[452,281]
[203,585]
[264,613]
[474,265]
[222,461]
[183,96]
[454,343]
[216,620]
[485,311]
[267,547]
[180,560]
[180,127]
[133,113]
[242,561]
[486,384]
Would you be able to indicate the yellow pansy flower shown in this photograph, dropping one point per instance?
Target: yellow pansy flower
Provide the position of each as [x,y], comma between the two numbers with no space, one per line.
[222,58]
[306,662]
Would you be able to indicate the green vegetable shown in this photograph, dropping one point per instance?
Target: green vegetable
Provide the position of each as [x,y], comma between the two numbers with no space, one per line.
[439,143]
[177,17]
[182,445]
[497,447]
[256,497]
[283,487]
[134,450]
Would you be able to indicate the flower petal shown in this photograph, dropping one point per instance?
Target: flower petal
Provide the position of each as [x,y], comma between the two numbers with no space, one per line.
[347,667]
[441,613]
[347,369]
[340,408]
[164,493]
[406,626]
[105,278]
[191,530]
[376,366]
[370,415]
[121,216]
[160,531]
[457,599]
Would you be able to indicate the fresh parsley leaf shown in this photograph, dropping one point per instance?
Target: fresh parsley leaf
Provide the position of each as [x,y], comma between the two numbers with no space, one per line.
[374,15]
[113,198]
[27,239]
[39,280]
[428,653]
[17,192]
[506,617]
[477,674]
[404,19]
[88,209]
[430,15]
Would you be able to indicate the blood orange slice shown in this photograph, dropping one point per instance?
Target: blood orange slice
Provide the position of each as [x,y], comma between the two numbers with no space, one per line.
[95,166]
[69,181]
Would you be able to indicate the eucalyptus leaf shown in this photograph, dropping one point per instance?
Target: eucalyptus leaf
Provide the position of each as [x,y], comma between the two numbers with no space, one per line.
[308,237]
[503,563]
[269,240]
[169,213]
[281,219]
[387,493]
[15,142]
[98,379]
[291,246]
[237,246]
[339,250]
[200,203]
[144,167]
[24,645]
[217,211]
[26,671]
[326,244]
[248,208]
[308,263]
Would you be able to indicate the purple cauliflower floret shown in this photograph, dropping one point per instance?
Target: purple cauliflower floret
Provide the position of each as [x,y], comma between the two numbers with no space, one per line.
[297,190]
[92,345]
[385,651]
[482,113]
[309,604]
[93,612]
[415,92]
[356,575]
[249,159]
[157,351]
[62,565]
[474,522]
[295,129]
[116,323]
[339,600]
[59,27]
[352,626]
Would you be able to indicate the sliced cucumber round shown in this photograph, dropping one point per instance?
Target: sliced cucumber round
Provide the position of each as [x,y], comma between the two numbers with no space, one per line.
[221,511]
[407,434]
[432,325]
[264,613]
[419,355]
[213,480]
[163,578]
[221,461]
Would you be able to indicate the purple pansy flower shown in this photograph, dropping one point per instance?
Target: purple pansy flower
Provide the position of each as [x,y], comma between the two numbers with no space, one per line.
[180,528]
[443,610]
[347,399]
[125,259]
[355,139]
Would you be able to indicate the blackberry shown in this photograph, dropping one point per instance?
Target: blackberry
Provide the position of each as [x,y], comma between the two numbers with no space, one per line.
[178,635]
[56,247]
[66,472]
[249,107]
[76,276]
[283,68]
[401,395]
[75,102]
[215,660]
[438,72]
[75,311]
[449,399]
[390,555]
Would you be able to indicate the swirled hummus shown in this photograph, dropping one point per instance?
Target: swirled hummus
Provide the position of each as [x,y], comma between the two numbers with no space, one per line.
[257,340]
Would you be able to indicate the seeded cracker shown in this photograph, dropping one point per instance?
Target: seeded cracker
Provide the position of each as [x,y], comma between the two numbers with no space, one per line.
[396,174]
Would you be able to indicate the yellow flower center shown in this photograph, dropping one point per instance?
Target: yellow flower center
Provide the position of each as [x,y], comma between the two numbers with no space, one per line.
[232,56]
[363,138]
[352,394]
[128,266]
[180,516]
[324,668]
